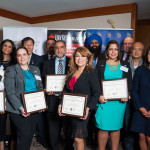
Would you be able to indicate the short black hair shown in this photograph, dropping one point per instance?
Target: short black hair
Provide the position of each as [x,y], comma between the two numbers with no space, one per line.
[26,39]
[50,39]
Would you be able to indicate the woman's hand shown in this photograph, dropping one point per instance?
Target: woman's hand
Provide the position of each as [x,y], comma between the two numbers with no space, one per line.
[59,111]
[102,99]
[124,100]
[23,113]
[50,93]
[86,114]
[3,112]
[143,111]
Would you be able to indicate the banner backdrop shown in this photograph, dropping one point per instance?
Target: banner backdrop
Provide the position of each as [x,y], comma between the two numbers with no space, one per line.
[110,34]
[16,34]
[73,38]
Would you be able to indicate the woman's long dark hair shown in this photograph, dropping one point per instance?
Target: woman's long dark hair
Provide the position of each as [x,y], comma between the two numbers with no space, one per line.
[146,63]
[12,54]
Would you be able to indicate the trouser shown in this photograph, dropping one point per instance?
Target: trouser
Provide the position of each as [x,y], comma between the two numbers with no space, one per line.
[25,127]
[3,118]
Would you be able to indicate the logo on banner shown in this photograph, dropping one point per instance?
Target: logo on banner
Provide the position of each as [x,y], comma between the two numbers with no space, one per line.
[109,35]
[128,35]
[99,34]
[118,35]
[51,37]
[89,34]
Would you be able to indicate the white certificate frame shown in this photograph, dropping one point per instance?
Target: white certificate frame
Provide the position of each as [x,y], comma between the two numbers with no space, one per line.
[34,101]
[55,83]
[74,104]
[115,89]
[2,101]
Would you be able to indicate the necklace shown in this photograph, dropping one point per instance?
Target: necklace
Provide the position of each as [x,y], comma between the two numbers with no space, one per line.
[113,67]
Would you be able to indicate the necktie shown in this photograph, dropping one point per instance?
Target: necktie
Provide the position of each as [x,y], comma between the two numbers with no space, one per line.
[60,67]
[127,58]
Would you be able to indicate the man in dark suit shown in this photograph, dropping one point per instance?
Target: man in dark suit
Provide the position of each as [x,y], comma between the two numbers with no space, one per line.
[127,45]
[57,65]
[49,49]
[36,60]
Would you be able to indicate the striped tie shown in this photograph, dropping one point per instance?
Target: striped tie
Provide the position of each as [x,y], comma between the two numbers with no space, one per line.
[60,67]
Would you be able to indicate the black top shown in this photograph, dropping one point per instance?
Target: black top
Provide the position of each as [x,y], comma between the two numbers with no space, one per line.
[86,84]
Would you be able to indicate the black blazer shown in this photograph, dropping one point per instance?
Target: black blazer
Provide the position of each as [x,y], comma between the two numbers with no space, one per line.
[49,68]
[101,68]
[86,84]
[36,60]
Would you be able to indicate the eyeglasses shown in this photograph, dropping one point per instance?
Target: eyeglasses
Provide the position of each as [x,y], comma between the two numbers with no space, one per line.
[128,44]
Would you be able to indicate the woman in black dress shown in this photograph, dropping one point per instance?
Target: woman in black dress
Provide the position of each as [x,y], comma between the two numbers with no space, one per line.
[82,79]
[7,58]
[141,101]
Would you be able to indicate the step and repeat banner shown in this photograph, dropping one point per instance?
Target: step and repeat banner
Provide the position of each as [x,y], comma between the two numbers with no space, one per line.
[73,37]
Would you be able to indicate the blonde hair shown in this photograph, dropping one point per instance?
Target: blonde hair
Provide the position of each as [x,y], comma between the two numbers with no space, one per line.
[84,52]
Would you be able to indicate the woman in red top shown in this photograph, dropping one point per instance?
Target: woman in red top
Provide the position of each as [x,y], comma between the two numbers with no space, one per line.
[82,79]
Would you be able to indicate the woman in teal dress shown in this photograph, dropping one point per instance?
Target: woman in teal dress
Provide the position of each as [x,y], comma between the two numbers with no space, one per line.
[109,114]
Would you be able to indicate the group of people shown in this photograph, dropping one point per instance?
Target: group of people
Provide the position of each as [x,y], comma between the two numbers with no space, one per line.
[26,71]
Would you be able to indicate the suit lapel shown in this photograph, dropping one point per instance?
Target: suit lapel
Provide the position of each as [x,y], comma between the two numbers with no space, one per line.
[52,66]
[20,72]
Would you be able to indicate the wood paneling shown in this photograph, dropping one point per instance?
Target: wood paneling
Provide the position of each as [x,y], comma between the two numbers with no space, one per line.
[14,16]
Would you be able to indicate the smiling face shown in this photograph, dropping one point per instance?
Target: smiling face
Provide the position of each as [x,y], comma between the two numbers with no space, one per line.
[137,50]
[112,52]
[22,57]
[29,45]
[127,44]
[7,48]
[60,49]
[80,60]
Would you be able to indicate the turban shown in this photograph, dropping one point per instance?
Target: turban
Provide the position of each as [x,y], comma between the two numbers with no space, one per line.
[93,37]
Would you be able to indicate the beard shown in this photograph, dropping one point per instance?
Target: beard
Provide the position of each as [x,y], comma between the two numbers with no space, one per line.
[51,51]
[95,50]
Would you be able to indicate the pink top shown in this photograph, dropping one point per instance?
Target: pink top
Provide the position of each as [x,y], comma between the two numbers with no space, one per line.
[72,82]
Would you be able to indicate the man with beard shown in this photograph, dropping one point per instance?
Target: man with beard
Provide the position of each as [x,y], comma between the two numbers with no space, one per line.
[94,43]
[49,49]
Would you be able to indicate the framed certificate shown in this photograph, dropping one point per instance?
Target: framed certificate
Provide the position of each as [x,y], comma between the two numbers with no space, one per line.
[34,101]
[55,83]
[74,104]
[115,89]
[2,101]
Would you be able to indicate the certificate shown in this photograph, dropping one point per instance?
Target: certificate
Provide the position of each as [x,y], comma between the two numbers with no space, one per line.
[74,104]
[34,101]
[55,83]
[2,101]
[115,89]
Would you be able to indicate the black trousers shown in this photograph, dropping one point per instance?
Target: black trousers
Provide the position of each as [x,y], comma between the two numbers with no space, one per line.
[3,118]
[54,124]
[25,129]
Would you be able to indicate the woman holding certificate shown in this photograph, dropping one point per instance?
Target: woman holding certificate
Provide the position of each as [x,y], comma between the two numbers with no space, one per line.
[110,113]
[82,79]
[21,78]
[7,58]
[141,101]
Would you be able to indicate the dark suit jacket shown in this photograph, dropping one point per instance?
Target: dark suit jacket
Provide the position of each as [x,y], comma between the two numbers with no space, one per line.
[15,85]
[101,68]
[49,68]
[86,84]
[36,60]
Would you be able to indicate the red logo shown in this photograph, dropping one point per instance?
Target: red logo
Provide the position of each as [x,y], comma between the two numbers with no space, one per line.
[52,36]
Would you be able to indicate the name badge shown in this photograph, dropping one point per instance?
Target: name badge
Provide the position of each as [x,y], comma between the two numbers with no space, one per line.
[123,68]
[37,77]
